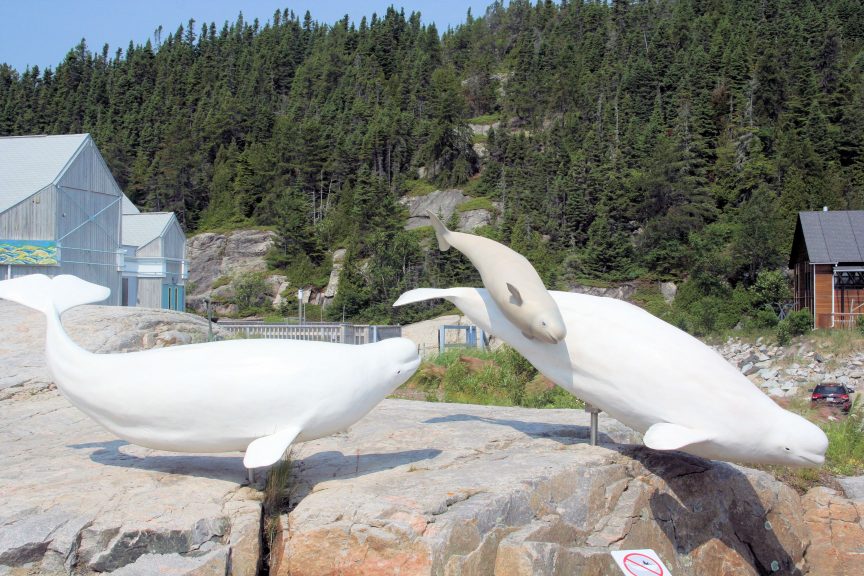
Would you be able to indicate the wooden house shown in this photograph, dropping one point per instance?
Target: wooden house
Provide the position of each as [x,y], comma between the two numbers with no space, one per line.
[60,210]
[155,267]
[827,260]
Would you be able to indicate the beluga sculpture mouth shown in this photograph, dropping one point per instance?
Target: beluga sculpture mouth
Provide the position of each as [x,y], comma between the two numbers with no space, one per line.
[512,282]
[652,377]
[257,396]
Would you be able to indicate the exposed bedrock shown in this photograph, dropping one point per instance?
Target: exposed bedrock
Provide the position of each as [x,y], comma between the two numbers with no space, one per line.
[419,488]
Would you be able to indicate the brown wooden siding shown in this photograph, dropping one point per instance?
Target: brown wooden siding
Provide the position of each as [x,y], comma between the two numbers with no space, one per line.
[824,285]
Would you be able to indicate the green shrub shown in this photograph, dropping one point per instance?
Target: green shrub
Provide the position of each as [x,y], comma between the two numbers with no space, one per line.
[800,322]
[859,324]
[502,378]
[765,318]
[250,292]
[784,333]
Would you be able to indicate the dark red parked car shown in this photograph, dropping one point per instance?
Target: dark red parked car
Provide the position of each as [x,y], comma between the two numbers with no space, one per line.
[832,394]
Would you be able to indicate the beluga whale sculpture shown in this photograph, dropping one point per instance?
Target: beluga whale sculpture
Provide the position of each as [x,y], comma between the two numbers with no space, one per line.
[653,377]
[511,280]
[257,396]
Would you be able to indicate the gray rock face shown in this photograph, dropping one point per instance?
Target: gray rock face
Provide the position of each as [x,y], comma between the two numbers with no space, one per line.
[212,256]
[75,499]
[441,202]
[470,220]
[621,292]
[419,488]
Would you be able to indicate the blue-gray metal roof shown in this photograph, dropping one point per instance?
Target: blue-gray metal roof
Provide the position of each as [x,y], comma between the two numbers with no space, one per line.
[30,163]
[833,237]
[141,229]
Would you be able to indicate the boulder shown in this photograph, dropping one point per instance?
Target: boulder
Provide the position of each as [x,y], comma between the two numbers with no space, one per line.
[427,488]
[100,329]
[669,290]
[75,499]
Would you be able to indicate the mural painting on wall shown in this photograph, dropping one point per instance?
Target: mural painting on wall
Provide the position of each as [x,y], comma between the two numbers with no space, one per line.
[28,253]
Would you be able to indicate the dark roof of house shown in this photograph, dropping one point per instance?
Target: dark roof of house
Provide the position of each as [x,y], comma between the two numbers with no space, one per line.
[832,237]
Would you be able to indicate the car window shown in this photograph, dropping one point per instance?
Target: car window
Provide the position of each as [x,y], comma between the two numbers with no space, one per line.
[830,390]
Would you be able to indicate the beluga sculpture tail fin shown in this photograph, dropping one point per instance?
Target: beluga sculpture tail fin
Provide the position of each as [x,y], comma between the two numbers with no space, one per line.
[52,295]
[441,231]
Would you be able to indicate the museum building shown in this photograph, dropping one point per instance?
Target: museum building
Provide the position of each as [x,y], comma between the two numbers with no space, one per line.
[62,212]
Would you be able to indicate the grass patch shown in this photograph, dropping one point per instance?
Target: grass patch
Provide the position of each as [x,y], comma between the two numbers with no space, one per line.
[419,187]
[478,138]
[499,378]
[479,203]
[485,119]
[277,497]
[221,281]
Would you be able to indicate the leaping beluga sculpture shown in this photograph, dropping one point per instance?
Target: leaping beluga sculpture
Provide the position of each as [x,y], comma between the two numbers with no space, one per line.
[660,381]
[511,280]
[257,396]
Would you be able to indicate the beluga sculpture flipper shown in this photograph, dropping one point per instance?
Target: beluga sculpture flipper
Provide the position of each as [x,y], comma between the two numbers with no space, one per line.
[653,377]
[511,280]
[257,396]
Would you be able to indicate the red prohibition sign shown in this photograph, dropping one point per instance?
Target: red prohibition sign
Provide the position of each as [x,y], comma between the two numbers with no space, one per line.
[641,565]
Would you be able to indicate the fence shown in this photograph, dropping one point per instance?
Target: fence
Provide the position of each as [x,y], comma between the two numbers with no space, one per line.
[318,332]
[845,320]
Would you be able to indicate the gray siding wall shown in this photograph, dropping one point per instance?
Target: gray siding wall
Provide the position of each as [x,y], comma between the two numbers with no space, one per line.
[174,245]
[150,292]
[88,249]
[32,219]
[152,249]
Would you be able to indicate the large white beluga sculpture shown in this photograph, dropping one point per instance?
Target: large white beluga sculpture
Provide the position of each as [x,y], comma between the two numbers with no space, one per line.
[653,377]
[511,280]
[257,396]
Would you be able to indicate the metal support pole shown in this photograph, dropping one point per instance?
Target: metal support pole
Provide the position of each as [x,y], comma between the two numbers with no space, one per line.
[595,422]
[209,321]
[250,473]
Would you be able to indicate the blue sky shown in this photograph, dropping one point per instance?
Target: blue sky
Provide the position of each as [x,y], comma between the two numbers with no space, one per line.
[41,32]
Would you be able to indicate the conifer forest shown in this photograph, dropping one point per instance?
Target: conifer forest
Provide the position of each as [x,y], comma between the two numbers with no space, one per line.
[629,140]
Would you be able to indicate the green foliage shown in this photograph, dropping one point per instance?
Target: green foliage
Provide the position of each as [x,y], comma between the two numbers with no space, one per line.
[784,333]
[800,322]
[250,292]
[476,204]
[859,324]
[675,139]
[485,119]
[419,187]
[502,378]
[845,456]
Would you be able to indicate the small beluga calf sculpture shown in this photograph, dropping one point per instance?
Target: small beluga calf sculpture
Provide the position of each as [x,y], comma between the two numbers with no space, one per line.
[257,396]
[653,377]
[511,280]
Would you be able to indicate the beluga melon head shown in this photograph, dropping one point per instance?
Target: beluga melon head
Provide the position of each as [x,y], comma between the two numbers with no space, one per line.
[512,282]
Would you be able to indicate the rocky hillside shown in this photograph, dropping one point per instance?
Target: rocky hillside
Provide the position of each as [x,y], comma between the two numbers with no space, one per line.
[217,259]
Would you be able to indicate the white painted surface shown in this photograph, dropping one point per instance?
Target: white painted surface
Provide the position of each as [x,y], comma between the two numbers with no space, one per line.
[644,372]
[216,396]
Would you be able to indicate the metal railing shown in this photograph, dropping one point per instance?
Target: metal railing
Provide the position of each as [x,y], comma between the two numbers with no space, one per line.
[320,332]
[845,320]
